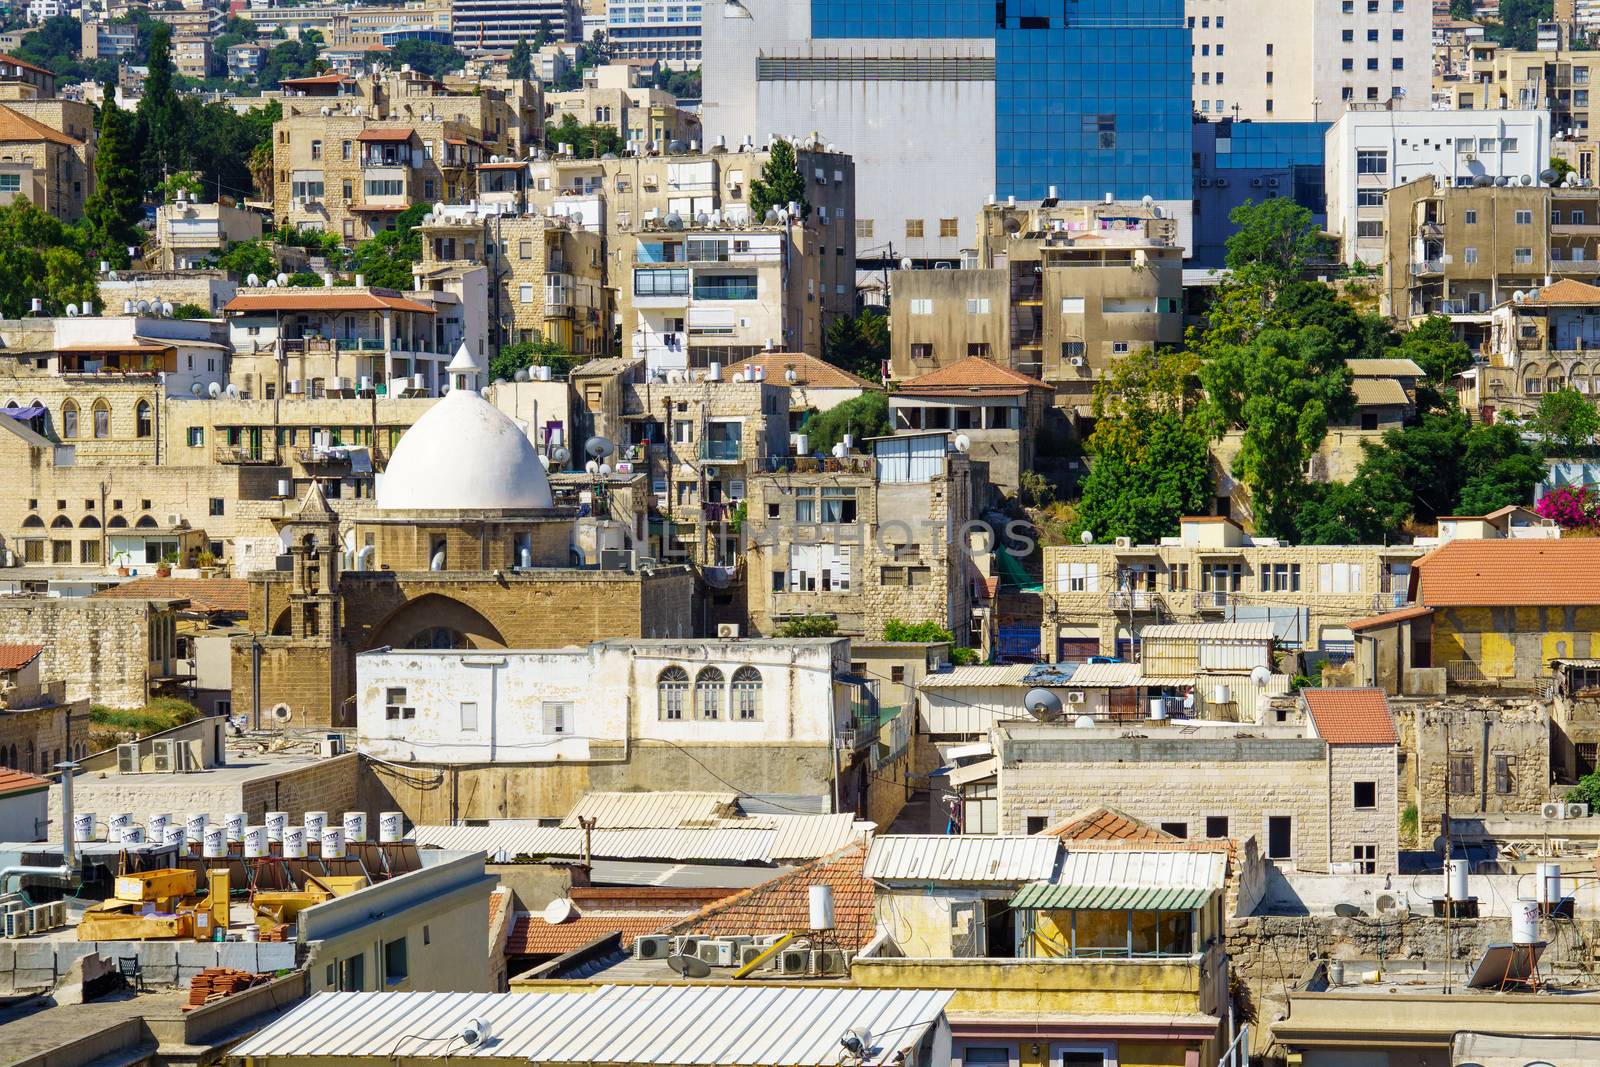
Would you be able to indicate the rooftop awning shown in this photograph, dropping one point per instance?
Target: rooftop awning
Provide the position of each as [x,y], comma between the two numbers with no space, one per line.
[1046,895]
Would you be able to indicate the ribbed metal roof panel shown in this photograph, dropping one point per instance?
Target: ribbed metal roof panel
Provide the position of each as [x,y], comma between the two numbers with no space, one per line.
[936,858]
[705,1026]
[651,810]
[960,677]
[1210,631]
[1110,897]
[807,837]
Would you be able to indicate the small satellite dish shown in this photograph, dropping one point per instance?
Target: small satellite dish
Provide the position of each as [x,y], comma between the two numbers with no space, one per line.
[790,376]
[1147,200]
[1042,705]
[689,966]
[857,1041]
[598,447]
[561,455]
[215,389]
[1346,910]
[253,280]
[1260,676]
[195,389]
[1083,722]
[560,910]
[963,443]
[906,264]
[1086,537]
[839,451]
[475,1032]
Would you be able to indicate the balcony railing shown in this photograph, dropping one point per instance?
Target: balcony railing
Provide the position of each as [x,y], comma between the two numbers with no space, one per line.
[813,464]
[740,291]
[1213,600]
[1133,600]
[359,344]
[265,453]
[720,450]
[1427,266]
[1391,600]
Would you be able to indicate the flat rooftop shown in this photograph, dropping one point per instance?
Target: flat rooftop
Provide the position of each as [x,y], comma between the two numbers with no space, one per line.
[1438,978]
[33,1026]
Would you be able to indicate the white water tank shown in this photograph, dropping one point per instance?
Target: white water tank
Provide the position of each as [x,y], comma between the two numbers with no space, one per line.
[194,825]
[1525,922]
[234,825]
[821,906]
[158,824]
[214,845]
[391,827]
[172,834]
[355,826]
[132,835]
[83,826]
[333,843]
[1158,708]
[276,822]
[255,842]
[118,825]
[1456,885]
[316,822]
[1547,889]
[294,842]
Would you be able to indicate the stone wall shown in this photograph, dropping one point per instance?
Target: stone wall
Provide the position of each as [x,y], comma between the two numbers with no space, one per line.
[35,739]
[1349,825]
[100,647]
[1483,730]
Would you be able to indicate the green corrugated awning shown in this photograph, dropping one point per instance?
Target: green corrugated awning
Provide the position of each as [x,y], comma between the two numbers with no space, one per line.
[1047,895]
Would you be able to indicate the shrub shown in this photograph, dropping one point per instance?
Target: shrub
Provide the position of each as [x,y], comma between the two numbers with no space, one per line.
[1570,507]
[162,713]
[809,626]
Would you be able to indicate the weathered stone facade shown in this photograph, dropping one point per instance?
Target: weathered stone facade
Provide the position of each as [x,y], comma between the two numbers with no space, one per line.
[1355,825]
[1487,754]
[36,739]
[108,651]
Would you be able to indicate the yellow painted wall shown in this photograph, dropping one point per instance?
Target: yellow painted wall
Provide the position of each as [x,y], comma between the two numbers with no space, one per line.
[1054,987]
[1489,637]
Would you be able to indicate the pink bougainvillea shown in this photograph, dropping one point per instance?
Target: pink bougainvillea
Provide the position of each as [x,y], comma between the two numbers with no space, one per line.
[1571,508]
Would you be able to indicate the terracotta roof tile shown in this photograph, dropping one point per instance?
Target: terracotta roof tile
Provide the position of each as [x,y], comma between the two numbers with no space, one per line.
[6,57]
[1351,716]
[1567,291]
[17,127]
[809,371]
[16,657]
[1511,573]
[784,904]
[389,135]
[1107,824]
[1389,618]
[973,374]
[20,782]
[532,936]
[203,594]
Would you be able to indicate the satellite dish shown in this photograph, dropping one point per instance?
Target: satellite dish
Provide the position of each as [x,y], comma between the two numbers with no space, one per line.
[1548,176]
[215,390]
[1013,224]
[283,279]
[1043,705]
[475,1032]
[839,451]
[689,966]
[857,1041]
[1083,722]
[1527,179]
[598,447]
[253,280]
[561,456]
[1260,676]
[72,311]
[560,910]
[195,389]
[1147,200]
[905,264]
[281,712]
[963,443]
[1346,910]
[1518,297]
[790,376]
[166,309]
[144,307]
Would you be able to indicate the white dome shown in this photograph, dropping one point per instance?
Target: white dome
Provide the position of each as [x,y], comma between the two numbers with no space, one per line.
[464,454]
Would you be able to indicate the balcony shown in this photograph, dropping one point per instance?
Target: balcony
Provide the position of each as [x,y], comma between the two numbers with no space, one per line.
[264,454]
[1427,266]
[1133,600]
[359,344]
[1213,600]
[725,290]
[1390,600]
[720,450]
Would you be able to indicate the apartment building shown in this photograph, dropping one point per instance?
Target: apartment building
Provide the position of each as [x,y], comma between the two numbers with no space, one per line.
[354,153]
[43,166]
[199,22]
[372,26]
[495,26]
[547,275]
[1544,342]
[1463,251]
[102,40]
[193,57]
[1254,61]
[1098,597]
[1371,152]
[1057,294]
[642,116]
[1501,79]
[21,80]
[668,34]
[188,234]
[998,411]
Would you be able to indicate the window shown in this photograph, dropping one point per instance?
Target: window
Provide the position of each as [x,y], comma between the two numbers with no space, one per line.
[1280,837]
[1365,794]
[709,688]
[216,505]
[1369,198]
[394,961]
[746,694]
[913,227]
[1078,577]
[1339,578]
[395,708]
[1369,228]
[1524,218]
[1461,767]
[197,434]
[1471,216]
[949,228]
[1072,305]
[1176,829]
[69,410]
[469,716]
[1280,577]
[143,425]
[1522,255]
[1469,255]
[353,974]
[922,306]
[1372,161]
[10,183]
[88,551]
[1366,858]
[344,149]
[1178,577]
[1216,827]
[978,305]
[1505,773]
[671,687]
[316,149]
[558,717]
[384,187]
[1119,348]
[863,229]
[60,551]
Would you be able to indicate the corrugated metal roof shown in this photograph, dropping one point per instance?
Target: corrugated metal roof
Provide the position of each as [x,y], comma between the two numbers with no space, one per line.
[772,839]
[1210,631]
[974,772]
[936,858]
[714,1026]
[634,811]
[1152,867]
[806,837]
[1010,674]
[1106,674]
[1110,897]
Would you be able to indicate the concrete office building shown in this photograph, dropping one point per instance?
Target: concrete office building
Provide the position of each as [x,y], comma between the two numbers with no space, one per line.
[1372,152]
[1255,60]
[495,26]
[666,33]
[1024,102]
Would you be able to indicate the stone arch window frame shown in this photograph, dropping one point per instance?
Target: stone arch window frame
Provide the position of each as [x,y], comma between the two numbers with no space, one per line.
[746,694]
[672,693]
[100,418]
[144,419]
[710,694]
[69,420]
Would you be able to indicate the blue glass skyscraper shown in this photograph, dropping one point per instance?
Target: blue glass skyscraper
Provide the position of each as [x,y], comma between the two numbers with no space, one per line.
[1091,96]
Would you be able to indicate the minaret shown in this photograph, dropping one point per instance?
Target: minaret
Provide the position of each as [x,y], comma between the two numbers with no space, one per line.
[314,544]
[463,371]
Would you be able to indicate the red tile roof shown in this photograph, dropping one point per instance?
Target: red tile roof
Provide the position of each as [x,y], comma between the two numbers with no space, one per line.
[9,58]
[532,936]
[16,657]
[1389,618]
[14,782]
[1351,716]
[1567,291]
[973,375]
[203,594]
[395,136]
[1511,573]
[1107,824]
[808,371]
[19,128]
[322,300]
[784,904]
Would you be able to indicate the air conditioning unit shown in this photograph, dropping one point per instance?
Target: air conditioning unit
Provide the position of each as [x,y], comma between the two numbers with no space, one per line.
[750,953]
[296,387]
[1577,811]
[19,923]
[686,945]
[1255,183]
[1222,183]
[1272,183]
[1075,361]
[652,947]
[794,961]
[832,961]
[1076,698]
[1555,809]
[1124,542]
[164,752]
[128,758]
[1205,183]
[331,746]
[719,952]
[727,631]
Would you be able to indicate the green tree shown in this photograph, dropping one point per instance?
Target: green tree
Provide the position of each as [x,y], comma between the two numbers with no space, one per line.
[1148,459]
[431,58]
[1432,346]
[1341,513]
[863,416]
[161,135]
[808,626]
[1278,235]
[780,184]
[919,632]
[1461,10]
[858,343]
[588,142]
[541,353]
[1566,418]
[1562,168]
[41,257]
[1280,391]
[386,260]
[1519,23]
[244,258]
[292,59]
[521,63]
[112,214]
[189,311]
[55,45]
[1587,791]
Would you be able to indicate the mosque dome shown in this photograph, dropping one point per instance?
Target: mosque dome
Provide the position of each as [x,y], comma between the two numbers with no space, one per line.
[464,454]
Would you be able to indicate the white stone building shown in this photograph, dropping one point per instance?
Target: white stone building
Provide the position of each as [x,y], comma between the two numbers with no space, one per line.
[1371,152]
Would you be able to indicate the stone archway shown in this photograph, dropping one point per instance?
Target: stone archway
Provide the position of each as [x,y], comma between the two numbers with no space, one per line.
[436,621]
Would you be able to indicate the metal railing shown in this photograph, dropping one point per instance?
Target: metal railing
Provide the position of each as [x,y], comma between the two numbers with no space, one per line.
[719,449]
[1133,600]
[1213,600]
[1390,601]
[264,453]
[1427,266]
[1237,1054]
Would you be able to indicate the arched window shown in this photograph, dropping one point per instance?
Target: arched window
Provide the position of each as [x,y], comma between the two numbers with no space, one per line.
[746,694]
[69,420]
[117,523]
[89,522]
[710,687]
[1579,377]
[102,420]
[672,688]
[61,522]
[33,522]
[146,523]
[142,425]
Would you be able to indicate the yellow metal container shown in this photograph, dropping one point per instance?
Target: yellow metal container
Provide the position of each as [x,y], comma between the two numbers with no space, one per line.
[154,885]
